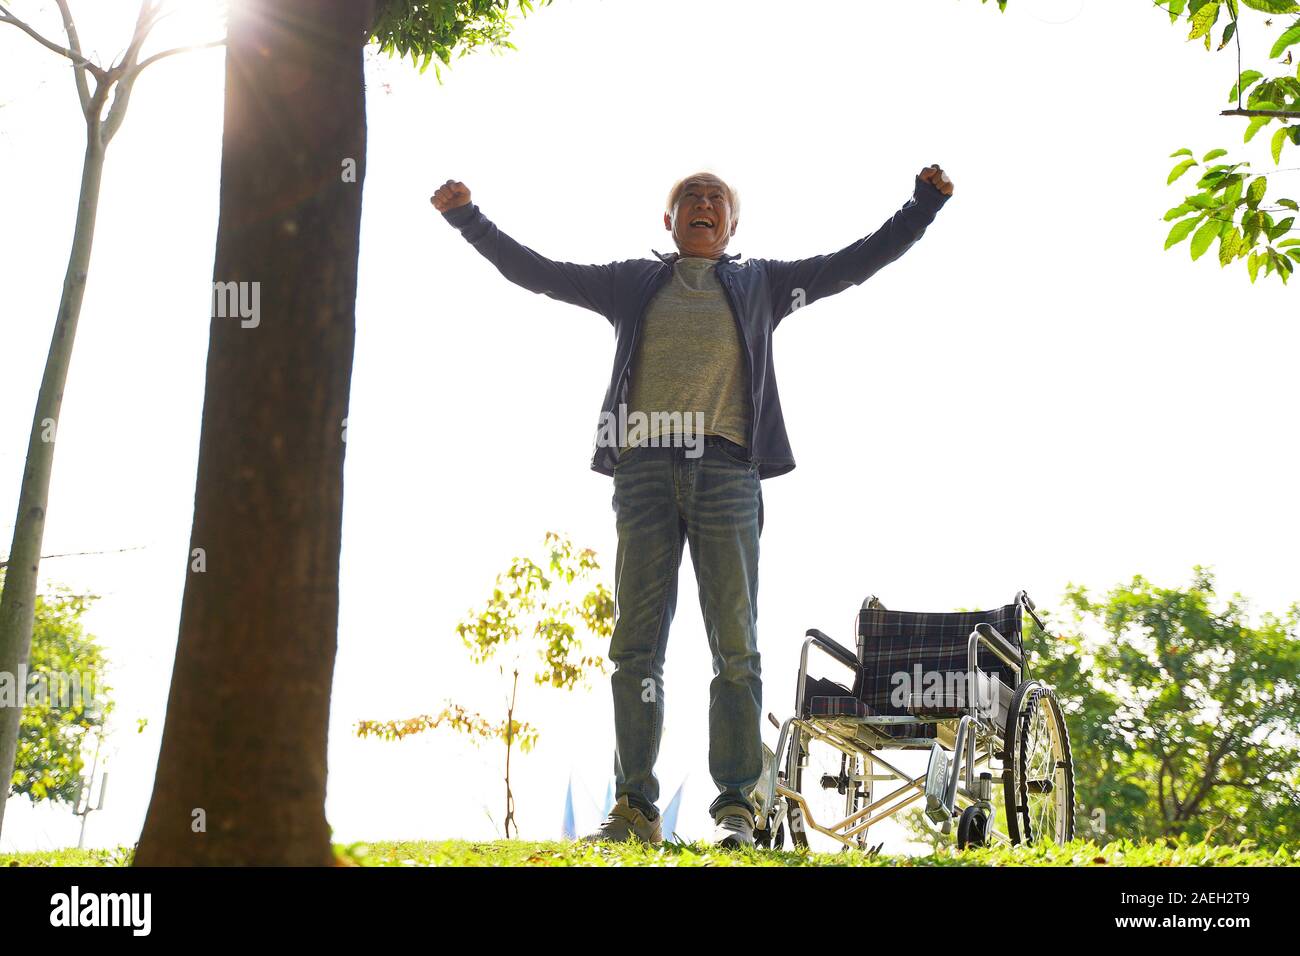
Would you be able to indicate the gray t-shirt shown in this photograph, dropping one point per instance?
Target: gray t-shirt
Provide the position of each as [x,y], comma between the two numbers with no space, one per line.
[690,359]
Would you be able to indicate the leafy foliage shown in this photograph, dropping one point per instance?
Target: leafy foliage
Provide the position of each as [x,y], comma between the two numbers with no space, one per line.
[526,610]
[1225,189]
[456,718]
[58,712]
[529,609]
[428,30]
[1212,214]
[1183,714]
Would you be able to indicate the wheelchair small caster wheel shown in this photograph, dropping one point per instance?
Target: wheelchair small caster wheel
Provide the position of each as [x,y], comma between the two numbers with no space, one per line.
[972,828]
[767,838]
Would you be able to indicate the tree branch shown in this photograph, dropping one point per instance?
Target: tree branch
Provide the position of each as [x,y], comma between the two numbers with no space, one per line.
[1212,771]
[78,554]
[144,21]
[123,72]
[128,70]
[74,44]
[7,17]
[180,49]
[1284,114]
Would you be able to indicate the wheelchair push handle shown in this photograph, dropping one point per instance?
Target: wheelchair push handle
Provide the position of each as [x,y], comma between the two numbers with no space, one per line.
[1023,599]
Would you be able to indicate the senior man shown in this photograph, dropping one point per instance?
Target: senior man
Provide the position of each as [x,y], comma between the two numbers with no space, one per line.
[693,374]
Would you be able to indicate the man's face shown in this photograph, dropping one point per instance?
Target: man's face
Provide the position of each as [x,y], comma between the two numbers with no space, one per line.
[701,220]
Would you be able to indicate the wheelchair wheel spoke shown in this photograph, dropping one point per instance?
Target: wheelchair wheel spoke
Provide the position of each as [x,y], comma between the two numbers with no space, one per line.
[1041,777]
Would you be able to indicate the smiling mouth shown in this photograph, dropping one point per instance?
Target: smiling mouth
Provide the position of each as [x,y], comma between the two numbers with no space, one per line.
[701,223]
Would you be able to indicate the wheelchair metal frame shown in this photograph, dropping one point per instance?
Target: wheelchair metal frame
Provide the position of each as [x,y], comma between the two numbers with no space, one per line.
[974,735]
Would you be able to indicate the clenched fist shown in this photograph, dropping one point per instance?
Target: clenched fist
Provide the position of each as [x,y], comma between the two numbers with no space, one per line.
[450,195]
[937,178]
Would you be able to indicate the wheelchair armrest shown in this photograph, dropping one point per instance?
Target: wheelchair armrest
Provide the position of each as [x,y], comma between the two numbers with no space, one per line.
[834,649]
[999,645]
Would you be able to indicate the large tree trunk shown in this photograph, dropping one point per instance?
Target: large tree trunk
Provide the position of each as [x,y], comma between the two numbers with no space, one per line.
[241,774]
[18,602]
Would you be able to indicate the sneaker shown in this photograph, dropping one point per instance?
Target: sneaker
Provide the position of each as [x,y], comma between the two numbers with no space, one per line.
[625,822]
[734,830]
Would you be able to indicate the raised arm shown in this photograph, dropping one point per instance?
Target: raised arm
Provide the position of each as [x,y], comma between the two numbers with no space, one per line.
[589,286]
[799,282]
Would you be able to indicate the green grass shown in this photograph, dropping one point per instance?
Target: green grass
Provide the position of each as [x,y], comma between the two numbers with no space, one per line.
[118,857]
[521,853]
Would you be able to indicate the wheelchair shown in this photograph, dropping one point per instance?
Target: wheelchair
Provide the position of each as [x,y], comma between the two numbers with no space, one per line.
[951,683]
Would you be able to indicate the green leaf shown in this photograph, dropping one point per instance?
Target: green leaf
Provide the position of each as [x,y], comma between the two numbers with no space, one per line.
[1182,152]
[1181,231]
[1282,264]
[1285,40]
[1178,170]
[1289,204]
[1228,31]
[1203,20]
[1205,236]
[1229,245]
[1232,195]
[1279,138]
[1252,265]
[1212,180]
[1273,6]
[1282,228]
[1256,123]
[1247,78]
[1213,154]
[1252,222]
[1255,192]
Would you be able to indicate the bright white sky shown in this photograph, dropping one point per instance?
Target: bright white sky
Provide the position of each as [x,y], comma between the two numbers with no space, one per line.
[1035,394]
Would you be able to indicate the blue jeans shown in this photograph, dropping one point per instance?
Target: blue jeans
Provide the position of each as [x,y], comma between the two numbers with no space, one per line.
[662,499]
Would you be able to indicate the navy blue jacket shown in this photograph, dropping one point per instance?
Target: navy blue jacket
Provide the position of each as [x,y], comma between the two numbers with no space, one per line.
[761,293]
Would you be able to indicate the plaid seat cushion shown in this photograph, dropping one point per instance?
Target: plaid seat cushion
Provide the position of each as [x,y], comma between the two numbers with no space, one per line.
[903,651]
[825,698]
[837,707]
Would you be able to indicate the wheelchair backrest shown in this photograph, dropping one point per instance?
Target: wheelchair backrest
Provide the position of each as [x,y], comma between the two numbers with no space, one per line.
[894,643]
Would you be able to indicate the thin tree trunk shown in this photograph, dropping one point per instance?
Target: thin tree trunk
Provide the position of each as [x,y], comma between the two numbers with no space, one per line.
[18,602]
[241,773]
[510,740]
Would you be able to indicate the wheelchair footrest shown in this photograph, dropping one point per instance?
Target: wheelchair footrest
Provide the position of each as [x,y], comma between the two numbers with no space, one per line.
[936,787]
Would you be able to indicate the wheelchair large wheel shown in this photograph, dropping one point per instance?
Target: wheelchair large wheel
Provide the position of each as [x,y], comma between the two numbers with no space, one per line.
[1038,774]
[793,812]
[822,776]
